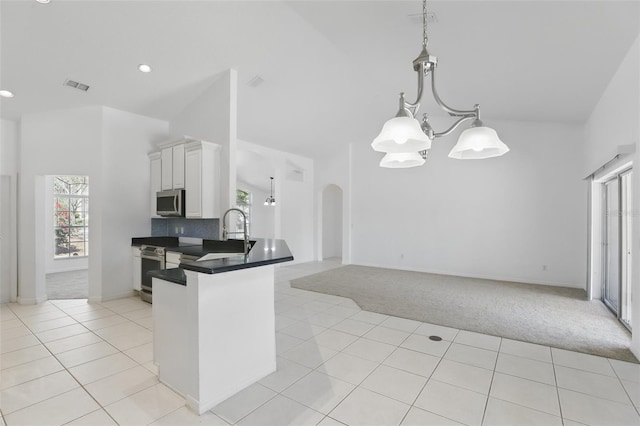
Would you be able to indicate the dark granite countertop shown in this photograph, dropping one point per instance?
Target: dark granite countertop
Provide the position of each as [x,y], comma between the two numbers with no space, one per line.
[210,246]
[191,250]
[207,246]
[264,252]
[155,241]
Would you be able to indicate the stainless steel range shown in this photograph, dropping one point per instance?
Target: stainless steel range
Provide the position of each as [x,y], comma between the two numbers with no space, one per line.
[152,258]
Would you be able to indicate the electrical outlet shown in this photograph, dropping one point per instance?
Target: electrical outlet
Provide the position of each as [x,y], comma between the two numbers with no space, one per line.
[544,267]
[401,255]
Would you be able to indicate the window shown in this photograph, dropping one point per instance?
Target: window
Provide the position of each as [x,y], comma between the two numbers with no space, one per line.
[71,216]
[243,201]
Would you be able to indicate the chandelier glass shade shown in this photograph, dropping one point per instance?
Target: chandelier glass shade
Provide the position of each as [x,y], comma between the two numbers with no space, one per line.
[477,143]
[401,134]
[401,160]
[405,135]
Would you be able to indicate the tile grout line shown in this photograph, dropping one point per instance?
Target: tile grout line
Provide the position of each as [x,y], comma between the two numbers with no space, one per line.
[555,378]
[428,380]
[279,393]
[342,351]
[623,386]
[69,372]
[362,381]
[493,375]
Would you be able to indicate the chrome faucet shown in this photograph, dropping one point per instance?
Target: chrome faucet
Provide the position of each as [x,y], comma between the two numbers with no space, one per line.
[225,233]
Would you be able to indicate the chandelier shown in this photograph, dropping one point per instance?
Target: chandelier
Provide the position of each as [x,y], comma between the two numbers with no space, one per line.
[406,141]
[270,201]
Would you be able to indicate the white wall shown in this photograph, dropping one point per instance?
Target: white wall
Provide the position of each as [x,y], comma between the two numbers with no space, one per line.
[56,142]
[9,135]
[110,147]
[212,117]
[614,122]
[127,139]
[332,222]
[295,206]
[501,218]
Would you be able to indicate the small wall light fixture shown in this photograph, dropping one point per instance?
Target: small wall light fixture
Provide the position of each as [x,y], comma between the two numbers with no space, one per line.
[270,201]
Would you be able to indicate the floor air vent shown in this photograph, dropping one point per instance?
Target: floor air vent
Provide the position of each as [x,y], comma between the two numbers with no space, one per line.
[76,85]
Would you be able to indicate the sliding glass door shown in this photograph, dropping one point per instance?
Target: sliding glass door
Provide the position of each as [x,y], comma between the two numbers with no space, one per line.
[626,223]
[611,244]
[617,205]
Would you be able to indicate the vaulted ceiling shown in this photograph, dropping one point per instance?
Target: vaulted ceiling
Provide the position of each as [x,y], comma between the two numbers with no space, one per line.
[332,70]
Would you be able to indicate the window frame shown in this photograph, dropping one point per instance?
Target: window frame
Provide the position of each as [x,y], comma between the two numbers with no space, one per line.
[68,197]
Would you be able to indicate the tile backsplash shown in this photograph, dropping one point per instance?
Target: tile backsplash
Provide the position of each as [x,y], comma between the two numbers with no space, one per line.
[180,227]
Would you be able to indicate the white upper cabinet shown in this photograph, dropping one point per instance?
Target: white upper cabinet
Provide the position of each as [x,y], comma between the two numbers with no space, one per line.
[173,165]
[178,167]
[202,180]
[167,168]
[190,165]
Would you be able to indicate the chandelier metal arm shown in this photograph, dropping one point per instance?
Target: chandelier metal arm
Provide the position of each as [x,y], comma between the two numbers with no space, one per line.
[415,106]
[475,112]
[454,126]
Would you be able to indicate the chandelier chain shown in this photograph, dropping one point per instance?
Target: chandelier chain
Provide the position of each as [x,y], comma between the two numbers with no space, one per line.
[425,39]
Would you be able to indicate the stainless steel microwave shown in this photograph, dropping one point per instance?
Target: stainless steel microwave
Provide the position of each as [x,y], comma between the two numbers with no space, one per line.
[170,203]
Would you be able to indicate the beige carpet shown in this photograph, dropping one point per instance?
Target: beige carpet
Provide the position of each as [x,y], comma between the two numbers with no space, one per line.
[555,316]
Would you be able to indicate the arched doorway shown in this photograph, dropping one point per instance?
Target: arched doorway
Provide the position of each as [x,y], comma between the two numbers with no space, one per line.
[332,222]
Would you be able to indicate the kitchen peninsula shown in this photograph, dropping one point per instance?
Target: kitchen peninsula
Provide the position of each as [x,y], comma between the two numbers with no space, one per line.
[214,323]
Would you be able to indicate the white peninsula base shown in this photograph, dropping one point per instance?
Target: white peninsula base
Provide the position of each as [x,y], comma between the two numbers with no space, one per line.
[216,335]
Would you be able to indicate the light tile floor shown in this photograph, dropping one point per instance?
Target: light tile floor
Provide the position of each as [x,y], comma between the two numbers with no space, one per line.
[70,362]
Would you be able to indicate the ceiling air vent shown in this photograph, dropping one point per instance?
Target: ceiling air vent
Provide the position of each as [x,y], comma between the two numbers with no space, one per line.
[255,81]
[76,85]
[416,18]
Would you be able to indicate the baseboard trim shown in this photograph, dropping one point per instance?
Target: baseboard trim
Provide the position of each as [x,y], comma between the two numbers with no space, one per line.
[468,275]
[118,296]
[55,271]
[31,300]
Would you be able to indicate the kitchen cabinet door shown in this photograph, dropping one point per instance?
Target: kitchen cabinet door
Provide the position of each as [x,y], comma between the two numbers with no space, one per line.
[137,269]
[202,179]
[193,183]
[167,168]
[178,166]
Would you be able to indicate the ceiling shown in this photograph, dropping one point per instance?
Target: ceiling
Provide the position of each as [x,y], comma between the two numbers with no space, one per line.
[332,70]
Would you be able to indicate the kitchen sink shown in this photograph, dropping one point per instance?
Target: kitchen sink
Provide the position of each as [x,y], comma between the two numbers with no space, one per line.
[228,247]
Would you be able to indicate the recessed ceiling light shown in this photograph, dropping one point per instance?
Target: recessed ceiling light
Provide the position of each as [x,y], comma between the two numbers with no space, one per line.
[144,68]
[43,1]
[6,94]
